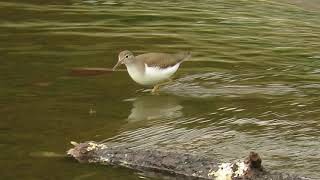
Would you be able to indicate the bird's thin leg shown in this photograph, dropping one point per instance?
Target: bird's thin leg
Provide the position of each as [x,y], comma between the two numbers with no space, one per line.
[156,87]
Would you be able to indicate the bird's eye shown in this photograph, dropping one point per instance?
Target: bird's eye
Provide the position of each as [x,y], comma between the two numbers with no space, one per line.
[127,56]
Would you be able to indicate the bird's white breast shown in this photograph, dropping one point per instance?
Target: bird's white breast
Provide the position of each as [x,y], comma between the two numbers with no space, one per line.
[156,74]
[151,75]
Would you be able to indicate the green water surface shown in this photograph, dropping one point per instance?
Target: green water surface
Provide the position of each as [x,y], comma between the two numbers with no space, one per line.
[253,83]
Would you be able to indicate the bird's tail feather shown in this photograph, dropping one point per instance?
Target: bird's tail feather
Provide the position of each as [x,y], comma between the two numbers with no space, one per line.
[184,55]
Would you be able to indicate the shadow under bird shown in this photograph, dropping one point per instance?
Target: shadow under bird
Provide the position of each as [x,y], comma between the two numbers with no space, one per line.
[151,69]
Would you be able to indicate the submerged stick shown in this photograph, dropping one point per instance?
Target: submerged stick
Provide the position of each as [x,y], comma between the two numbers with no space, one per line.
[87,71]
[188,165]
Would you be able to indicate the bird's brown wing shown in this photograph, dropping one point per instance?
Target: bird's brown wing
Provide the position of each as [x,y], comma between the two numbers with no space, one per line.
[162,60]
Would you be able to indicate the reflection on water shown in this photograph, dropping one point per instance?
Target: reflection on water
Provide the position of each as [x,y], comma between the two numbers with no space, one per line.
[252,84]
[224,126]
[155,107]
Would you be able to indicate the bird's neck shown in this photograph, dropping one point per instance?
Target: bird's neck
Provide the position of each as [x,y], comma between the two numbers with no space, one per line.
[136,67]
[135,70]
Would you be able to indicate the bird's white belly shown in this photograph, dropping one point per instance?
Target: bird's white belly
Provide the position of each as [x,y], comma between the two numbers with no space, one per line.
[152,75]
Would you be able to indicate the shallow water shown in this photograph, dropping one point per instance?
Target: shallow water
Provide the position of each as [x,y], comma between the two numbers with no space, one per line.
[252,83]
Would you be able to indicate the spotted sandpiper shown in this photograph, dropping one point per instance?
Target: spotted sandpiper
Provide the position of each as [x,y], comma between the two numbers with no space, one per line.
[151,69]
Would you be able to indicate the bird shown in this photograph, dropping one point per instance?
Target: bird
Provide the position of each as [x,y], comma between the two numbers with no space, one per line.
[151,69]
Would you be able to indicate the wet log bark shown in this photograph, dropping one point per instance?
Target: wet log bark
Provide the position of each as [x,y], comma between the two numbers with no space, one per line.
[174,163]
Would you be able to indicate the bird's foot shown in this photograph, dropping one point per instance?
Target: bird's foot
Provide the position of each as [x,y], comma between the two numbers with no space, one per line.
[143,90]
[156,87]
[154,90]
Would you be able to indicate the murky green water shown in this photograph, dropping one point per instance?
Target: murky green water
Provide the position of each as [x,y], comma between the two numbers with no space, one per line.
[252,84]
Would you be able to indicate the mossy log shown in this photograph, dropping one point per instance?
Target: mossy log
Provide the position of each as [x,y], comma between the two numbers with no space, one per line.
[175,163]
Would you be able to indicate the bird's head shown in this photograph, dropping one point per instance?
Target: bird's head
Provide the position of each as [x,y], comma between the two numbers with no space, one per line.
[125,57]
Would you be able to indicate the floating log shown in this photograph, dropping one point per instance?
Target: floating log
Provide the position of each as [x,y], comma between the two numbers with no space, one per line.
[175,163]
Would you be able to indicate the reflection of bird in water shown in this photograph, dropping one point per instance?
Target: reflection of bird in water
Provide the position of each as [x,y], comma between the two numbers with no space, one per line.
[155,107]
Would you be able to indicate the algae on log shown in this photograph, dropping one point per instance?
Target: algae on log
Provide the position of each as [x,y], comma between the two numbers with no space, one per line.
[182,164]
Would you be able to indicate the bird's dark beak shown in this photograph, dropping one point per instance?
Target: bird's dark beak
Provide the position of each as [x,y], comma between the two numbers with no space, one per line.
[115,66]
